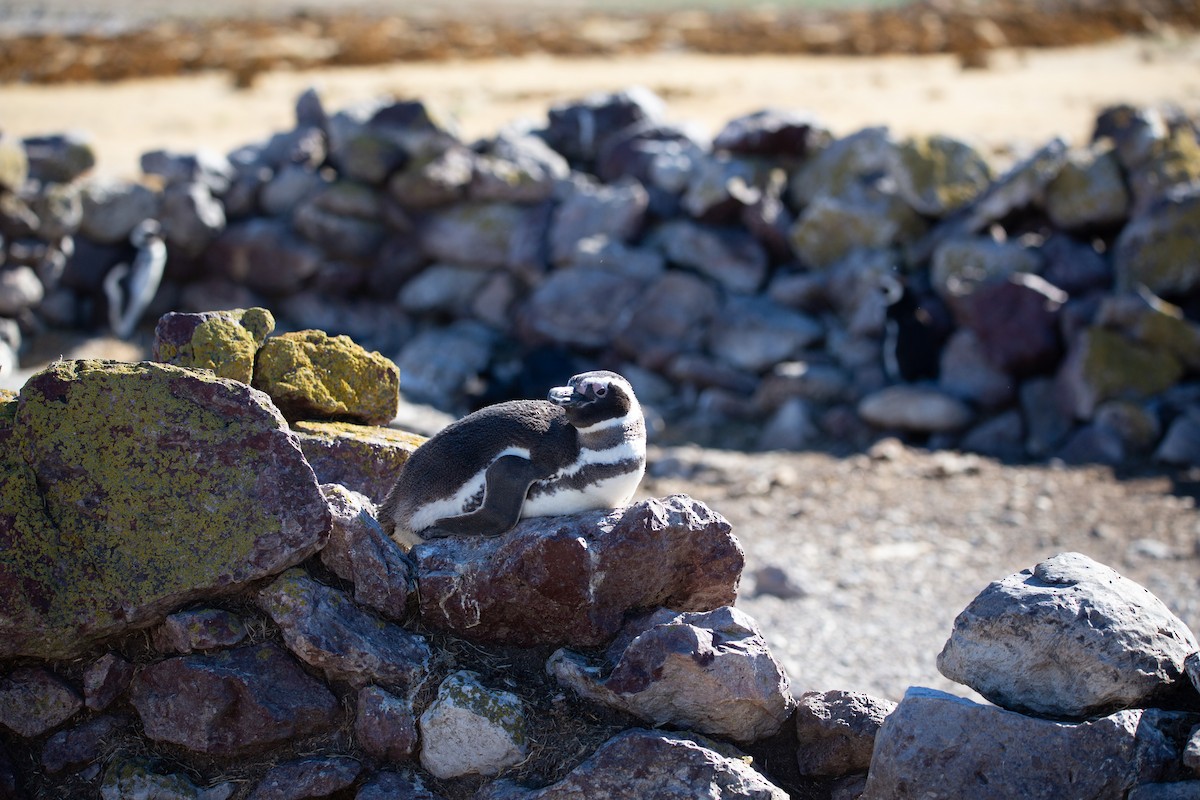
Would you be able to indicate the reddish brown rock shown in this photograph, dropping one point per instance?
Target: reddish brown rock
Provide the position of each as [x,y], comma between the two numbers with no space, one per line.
[34,700]
[308,778]
[836,731]
[571,580]
[199,629]
[385,727]
[105,679]
[359,551]
[231,703]
[1016,321]
[76,748]
[363,458]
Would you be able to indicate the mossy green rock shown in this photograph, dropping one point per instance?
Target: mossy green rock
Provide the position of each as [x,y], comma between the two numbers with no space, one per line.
[224,341]
[1106,365]
[363,458]
[1090,190]
[1157,249]
[14,164]
[127,490]
[938,174]
[830,228]
[311,375]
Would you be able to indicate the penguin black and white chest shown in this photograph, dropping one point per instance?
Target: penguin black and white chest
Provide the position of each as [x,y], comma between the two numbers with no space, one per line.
[583,448]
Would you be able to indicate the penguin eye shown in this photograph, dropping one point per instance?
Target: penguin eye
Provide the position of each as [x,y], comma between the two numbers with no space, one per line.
[601,391]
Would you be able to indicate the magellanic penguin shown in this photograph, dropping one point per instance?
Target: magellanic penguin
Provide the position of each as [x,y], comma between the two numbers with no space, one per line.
[583,448]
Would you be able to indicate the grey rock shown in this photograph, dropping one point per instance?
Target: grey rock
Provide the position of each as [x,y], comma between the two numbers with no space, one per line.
[1092,444]
[370,140]
[191,217]
[517,168]
[20,290]
[1134,425]
[1069,638]
[709,672]
[1001,437]
[391,785]
[831,228]
[1075,267]
[471,730]
[33,700]
[476,234]
[581,306]
[721,185]
[615,210]
[578,129]
[113,208]
[446,289]
[359,551]
[1179,790]
[199,629]
[59,157]
[731,257]
[772,133]
[1018,188]
[59,210]
[844,168]
[916,408]
[306,144]
[105,679]
[308,778]
[572,580]
[73,749]
[326,630]
[936,745]
[1191,750]
[641,763]
[231,703]
[775,581]
[288,188]
[439,362]
[754,334]
[602,252]
[203,166]
[836,731]
[790,427]
[264,255]
[967,373]
[937,174]
[14,163]
[961,266]
[384,725]
[1152,248]
[1181,444]
[807,380]
[803,291]
[129,779]
[338,235]
[1047,421]
[671,317]
[704,371]
[1089,191]
[663,156]
[439,181]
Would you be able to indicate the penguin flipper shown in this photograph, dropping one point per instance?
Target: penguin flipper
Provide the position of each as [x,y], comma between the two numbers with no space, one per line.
[506,483]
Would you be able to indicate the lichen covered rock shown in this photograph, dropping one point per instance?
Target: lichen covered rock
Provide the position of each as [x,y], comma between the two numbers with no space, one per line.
[311,375]
[224,341]
[191,483]
[471,730]
[938,174]
[363,458]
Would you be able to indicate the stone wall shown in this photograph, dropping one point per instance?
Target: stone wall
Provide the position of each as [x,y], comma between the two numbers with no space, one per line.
[774,287]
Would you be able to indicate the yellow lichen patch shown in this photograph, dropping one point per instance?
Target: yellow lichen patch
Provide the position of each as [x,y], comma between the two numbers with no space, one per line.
[311,375]
[224,341]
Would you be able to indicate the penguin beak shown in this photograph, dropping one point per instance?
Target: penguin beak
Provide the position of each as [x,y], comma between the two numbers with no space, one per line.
[563,396]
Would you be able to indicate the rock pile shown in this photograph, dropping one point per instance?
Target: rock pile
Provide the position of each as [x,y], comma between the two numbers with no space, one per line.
[774,286]
[190,608]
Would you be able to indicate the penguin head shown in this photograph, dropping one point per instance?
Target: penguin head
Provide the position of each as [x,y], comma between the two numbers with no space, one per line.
[593,398]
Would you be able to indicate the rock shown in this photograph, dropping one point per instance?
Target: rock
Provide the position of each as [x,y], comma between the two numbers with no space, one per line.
[1152,249]
[843,169]
[113,208]
[363,458]
[384,725]
[288,188]
[1104,365]
[372,139]
[191,482]
[1016,321]
[1151,321]
[707,672]
[961,267]
[338,235]
[581,306]
[311,375]
[105,679]
[604,253]
[790,427]
[772,133]
[1018,188]
[439,362]
[1181,444]
[33,700]
[775,581]
[921,409]
[642,763]
[1178,790]
[1075,267]
[754,334]
[58,158]
[817,382]
[937,175]
[938,745]
[359,551]
[20,290]
[200,629]
[836,731]
[670,317]
[440,181]
[59,211]
[663,156]
[443,290]
[733,258]
[721,186]
[231,703]
[308,778]
[580,128]
[226,342]
[571,580]
[471,730]
[485,235]
[1069,639]
[72,750]
[14,164]
[615,210]
[391,785]
[1092,444]
[264,255]
[1136,427]
[1047,422]
[1002,437]
[966,372]
[127,779]
[1089,191]
[326,630]
[191,218]
[830,228]
[204,166]
[517,168]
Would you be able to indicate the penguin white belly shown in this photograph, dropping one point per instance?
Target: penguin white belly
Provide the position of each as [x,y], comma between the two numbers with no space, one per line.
[468,497]
[560,494]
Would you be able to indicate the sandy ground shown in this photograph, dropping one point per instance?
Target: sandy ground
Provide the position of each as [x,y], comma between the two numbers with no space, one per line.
[1022,100]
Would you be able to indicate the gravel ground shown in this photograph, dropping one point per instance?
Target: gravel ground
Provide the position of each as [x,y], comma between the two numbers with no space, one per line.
[887,547]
